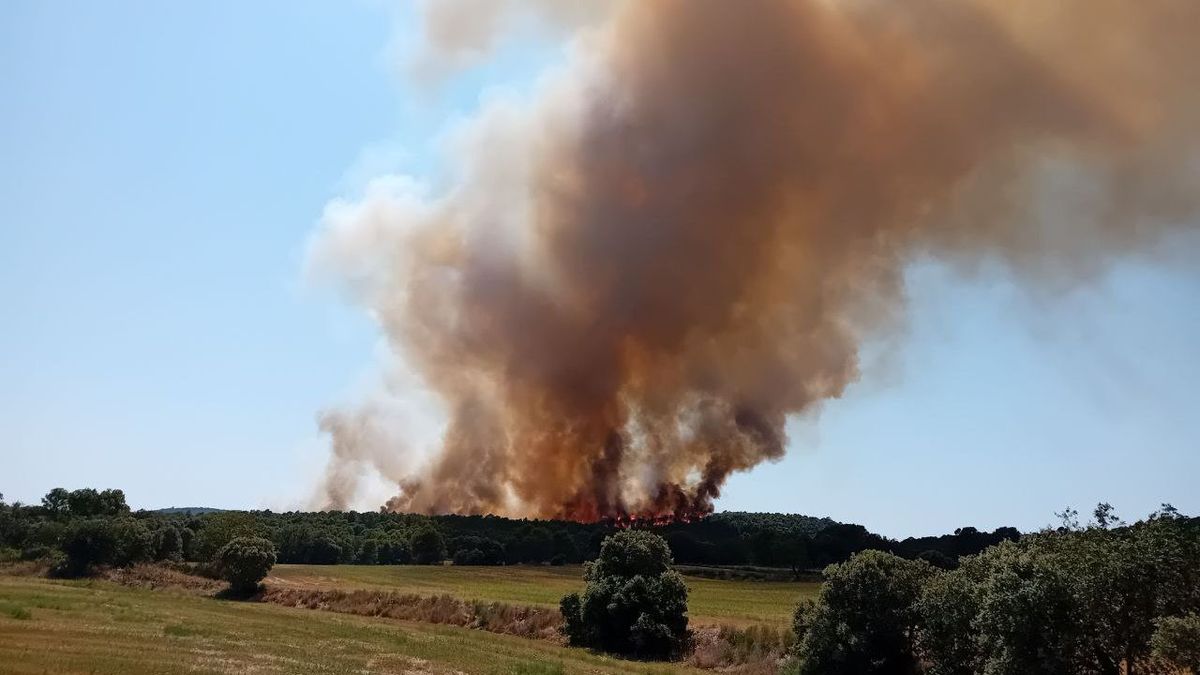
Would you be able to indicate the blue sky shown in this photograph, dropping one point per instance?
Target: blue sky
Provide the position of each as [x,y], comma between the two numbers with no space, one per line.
[163,165]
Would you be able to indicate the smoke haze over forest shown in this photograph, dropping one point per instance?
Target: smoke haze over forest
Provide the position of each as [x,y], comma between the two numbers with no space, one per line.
[632,279]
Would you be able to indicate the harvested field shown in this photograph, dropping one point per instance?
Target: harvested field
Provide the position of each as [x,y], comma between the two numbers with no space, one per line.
[92,626]
[739,603]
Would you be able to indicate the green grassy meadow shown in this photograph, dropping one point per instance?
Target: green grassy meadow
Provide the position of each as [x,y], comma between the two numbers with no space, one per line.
[710,601]
[49,626]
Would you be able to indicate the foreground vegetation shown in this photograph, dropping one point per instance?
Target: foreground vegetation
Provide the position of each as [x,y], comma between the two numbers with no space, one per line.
[1108,599]
[634,603]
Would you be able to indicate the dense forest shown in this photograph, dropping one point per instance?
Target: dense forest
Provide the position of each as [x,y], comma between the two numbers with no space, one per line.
[797,543]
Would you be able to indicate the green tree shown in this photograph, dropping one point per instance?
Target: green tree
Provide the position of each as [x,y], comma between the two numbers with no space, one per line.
[168,543]
[368,552]
[323,550]
[46,533]
[112,502]
[85,503]
[1124,580]
[244,562]
[219,529]
[87,545]
[1105,516]
[56,502]
[134,542]
[428,547]
[865,618]
[633,602]
[1030,618]
[294,541]
[1078,600]
[394,550]
[948,605]
[1177,641]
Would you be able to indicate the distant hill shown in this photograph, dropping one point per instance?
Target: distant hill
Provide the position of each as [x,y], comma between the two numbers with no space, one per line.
[185,510]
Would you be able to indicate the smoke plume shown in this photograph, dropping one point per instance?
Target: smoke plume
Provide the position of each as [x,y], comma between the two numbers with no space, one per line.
[632,280]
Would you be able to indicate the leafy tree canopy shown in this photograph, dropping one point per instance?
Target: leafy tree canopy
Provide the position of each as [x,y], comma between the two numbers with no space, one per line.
[633,603]
[244,562]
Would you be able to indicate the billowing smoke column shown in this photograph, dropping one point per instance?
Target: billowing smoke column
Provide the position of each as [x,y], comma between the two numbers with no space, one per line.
[633,280]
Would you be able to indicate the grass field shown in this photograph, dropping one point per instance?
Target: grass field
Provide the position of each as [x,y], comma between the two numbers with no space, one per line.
[98,627]
[710,601]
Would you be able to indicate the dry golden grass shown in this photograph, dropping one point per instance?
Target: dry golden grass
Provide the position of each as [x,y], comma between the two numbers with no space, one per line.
[748,651]
[740,626]
[47,626]
[710,602]
[158,576]
[93,626]
[495,617]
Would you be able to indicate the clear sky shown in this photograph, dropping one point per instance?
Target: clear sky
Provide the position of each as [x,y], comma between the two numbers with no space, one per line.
[162,166]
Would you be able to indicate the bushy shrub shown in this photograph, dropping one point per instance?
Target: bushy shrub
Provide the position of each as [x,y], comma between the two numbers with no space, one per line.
[85,503]
[1177,641]
[244,562]
[948,606]
[1029,619]
[36,552]
[864,620]
[134,542]
[46,533]
[87,545]
[1079,601]
[168,544]
[633,603]
[219,529]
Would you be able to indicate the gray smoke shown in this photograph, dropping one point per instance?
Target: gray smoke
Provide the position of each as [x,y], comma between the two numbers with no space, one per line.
[636,277]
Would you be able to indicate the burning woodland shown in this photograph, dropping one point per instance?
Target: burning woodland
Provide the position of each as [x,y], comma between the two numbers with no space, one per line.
[631,280]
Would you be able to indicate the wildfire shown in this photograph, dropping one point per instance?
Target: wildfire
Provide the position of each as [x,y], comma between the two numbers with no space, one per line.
[633,520]
[632,280]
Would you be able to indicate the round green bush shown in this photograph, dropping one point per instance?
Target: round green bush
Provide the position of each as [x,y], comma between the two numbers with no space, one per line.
[134,542]
[244,562]
[864,618]
[88,544]
[633,604]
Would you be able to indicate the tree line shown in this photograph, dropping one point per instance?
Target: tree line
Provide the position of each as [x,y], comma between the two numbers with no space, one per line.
[64,519]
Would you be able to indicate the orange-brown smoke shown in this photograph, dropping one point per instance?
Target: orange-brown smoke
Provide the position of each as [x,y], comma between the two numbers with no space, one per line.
[633,280]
